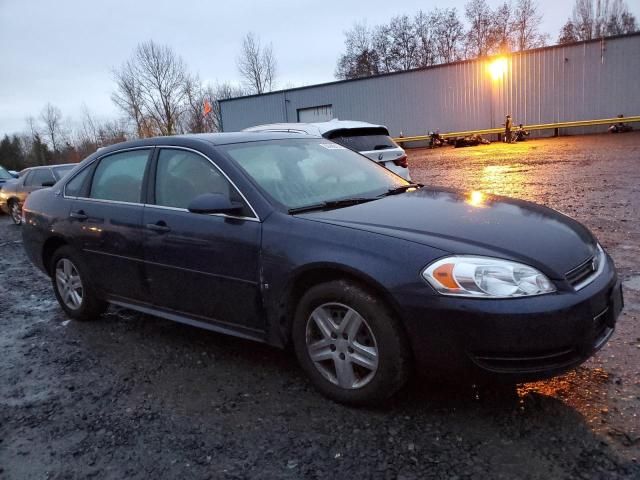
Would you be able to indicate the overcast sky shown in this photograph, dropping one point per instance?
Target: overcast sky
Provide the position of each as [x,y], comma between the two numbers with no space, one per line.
[64,51]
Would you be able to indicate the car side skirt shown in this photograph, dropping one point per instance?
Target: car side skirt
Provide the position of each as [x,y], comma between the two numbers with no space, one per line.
[206,324]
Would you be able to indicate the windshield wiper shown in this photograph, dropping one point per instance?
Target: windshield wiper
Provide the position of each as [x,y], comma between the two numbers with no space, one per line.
[402,189]
[345,202]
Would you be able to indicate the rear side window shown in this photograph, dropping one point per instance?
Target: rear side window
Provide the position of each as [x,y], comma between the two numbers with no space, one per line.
[38,177]
[119,177]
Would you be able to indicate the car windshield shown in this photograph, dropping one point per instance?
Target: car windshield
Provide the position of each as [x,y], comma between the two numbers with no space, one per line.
[4,175]
[304,172]
[60,172]
[363,140]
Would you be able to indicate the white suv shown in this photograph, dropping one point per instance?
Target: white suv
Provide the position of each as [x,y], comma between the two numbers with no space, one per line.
[370,140]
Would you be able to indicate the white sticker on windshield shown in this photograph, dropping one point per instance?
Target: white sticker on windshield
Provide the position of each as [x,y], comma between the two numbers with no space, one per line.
[332,146]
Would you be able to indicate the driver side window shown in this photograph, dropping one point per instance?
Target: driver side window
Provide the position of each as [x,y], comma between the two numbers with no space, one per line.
[182,175]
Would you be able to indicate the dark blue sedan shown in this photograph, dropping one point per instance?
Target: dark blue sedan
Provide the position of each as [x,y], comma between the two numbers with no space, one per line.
[300,241]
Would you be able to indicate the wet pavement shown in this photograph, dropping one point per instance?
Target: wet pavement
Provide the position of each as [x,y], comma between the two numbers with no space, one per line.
[132,395]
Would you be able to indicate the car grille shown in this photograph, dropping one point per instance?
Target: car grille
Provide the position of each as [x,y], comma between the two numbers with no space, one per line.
[581,272]
[526,363]
[587,271]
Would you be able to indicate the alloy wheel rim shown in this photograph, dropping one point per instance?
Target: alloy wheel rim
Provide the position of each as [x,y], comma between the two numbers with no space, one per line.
[69,283]
[15,212]
[342,346]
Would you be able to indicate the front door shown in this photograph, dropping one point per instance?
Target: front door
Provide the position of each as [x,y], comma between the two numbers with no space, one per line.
[205,266]
[106,220]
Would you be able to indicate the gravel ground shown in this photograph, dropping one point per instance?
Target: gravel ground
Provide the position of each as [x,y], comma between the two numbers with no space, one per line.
[134,396]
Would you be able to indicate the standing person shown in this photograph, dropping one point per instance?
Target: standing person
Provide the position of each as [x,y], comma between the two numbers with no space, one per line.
[507,129]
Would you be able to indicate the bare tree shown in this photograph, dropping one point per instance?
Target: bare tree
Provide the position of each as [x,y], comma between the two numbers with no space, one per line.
[568,33]
[404,44]
[448,35]
[93,133]
[424,27]
[196,101]
[270,67]
[596,19]
[51,117]
[398,44]
[162,76]
[383,46]
[221,91]
[479,35]
[89,128]
[128,96]
[360,58]
[257,65]
[620,20]
[583,19]
[526,26]
[150,89]
[501,29]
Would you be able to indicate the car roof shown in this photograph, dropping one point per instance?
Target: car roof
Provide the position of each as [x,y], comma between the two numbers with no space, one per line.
[239,137]
[315,128]
[40,167]
[191,139]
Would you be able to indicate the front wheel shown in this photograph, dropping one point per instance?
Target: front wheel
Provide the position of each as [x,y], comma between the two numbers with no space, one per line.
[349,344]
[15,211]
[72,287]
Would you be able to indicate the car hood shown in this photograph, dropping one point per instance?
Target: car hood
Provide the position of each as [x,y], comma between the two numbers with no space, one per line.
[473,223]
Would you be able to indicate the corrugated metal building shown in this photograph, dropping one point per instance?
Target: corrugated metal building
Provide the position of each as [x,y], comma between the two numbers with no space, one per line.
[581,81]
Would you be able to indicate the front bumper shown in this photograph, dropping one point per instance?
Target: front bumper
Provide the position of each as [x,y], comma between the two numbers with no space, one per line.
[520,339]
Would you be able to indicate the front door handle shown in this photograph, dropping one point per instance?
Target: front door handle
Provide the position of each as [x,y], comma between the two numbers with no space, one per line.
[159,227]
[79,215]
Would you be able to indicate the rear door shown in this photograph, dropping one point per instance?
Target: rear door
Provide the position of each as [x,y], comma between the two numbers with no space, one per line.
[106,221]
[34,180]
[205,266]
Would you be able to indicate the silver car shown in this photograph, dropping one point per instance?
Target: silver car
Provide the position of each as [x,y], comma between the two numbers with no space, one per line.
[370,140]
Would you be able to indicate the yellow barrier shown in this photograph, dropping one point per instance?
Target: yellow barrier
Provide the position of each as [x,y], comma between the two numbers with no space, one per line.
[543,126]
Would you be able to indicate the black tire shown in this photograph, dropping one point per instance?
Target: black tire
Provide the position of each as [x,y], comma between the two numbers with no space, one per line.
[91,306]
[15,212]
[393,351]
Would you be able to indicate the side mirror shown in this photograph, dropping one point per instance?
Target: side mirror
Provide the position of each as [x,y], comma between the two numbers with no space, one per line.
[214,203]
[49,183]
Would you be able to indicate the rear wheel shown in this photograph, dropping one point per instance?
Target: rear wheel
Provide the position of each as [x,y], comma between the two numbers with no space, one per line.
[15,211]
[72,287]
[349,344]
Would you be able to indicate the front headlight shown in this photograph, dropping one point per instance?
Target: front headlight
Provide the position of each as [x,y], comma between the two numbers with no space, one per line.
[485,277]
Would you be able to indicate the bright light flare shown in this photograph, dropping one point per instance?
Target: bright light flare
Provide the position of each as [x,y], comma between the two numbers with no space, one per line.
[476,199]
[498,68]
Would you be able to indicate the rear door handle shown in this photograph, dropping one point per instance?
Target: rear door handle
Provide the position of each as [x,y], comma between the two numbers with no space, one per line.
[79,215]
[159,227]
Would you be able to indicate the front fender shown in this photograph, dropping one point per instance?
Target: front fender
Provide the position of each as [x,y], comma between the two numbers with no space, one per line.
[293,246]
